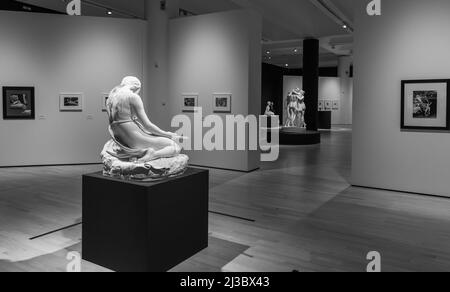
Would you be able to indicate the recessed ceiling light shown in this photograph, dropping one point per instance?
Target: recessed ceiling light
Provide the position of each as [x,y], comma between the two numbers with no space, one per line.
[295,50]
[344,26]
[268,52]
[287,65]
[109,12]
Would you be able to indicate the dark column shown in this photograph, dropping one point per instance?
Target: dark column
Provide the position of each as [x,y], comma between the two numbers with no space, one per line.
[311,82]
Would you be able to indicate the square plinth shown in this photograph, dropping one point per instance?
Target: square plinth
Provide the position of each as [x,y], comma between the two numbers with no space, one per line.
[131,226]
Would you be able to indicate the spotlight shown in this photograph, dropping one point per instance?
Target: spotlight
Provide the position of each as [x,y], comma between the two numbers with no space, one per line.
[268,52]
[109,12]
[287,65]
[344,26]
[295,50]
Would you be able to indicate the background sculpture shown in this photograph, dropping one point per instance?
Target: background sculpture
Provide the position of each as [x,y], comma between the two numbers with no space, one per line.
[269,109]
[296,109]
[138,149]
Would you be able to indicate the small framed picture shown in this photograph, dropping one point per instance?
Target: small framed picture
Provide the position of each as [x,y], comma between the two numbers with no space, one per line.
[336,105]
[104,100]
[321,105]
[190,102]
[222,102]
[425,104]
[69,102]
[328,105]
[18,103]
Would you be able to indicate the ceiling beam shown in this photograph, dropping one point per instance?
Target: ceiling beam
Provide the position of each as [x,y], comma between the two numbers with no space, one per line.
[330,10]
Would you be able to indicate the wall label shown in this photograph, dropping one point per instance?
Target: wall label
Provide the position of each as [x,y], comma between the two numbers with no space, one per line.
[74,8]
[374,8]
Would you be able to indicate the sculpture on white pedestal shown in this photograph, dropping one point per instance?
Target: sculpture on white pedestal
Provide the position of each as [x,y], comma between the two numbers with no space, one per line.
[269,109]
[296,109]
[138,149]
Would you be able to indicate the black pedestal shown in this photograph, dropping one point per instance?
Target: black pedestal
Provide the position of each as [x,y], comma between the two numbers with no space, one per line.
[297,136]
[325,120]
[144,227]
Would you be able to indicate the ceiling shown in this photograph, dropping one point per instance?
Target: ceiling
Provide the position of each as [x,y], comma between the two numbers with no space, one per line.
[286,22]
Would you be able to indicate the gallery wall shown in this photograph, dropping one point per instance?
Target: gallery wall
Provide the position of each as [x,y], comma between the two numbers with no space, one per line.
[330,89]
[61,54]
[408,41]
[217,53]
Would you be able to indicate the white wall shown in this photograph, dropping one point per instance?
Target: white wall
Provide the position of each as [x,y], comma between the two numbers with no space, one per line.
[409,41]
[338,89]
[58,54]
[217,53]
[329,88]
[344,116]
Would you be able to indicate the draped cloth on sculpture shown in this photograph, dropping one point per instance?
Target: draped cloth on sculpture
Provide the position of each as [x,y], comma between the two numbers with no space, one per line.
[123,162]
[124,152]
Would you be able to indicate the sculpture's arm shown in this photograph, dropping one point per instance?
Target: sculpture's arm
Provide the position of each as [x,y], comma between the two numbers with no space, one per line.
[138,107]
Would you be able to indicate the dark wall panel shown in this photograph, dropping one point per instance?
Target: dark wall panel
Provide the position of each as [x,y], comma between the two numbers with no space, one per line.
[272,88]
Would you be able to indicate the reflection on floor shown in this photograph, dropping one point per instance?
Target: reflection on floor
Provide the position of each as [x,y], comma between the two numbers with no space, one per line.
[301,215]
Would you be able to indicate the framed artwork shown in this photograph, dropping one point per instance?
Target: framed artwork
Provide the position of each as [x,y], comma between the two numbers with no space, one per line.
[18,103]
[104,100]
[222,103]
[425,104]
[190,102]
[328,105]
[321,105]
[336,105]
[70,102]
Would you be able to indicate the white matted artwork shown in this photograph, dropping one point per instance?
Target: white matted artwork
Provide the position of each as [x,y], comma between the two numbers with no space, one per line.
[321,105]
[425,104]
[336,105]
[222,102]
[190,102]
[104,100]
[69,102]
[328,105]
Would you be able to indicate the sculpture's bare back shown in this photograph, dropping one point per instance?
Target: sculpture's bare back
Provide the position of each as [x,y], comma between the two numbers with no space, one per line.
[137,143]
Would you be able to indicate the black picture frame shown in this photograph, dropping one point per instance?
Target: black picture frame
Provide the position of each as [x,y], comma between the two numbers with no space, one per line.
[9,116]
[403,104]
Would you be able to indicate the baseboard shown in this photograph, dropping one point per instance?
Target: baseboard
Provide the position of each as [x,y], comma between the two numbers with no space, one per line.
[221,168]
[49,165]
[403,192]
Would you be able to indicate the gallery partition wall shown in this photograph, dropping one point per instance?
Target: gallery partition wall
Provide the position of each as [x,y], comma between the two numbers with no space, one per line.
[57,55]
[407,42]
[217,54]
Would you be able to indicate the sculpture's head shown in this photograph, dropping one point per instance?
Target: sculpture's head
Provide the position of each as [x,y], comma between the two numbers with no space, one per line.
[133,83]
[299,91]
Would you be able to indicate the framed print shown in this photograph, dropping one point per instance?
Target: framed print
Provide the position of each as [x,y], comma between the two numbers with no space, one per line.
[321,105]
[104,100]
[328,105]
[190,102]
[71,102]
[336,105]
[18,103]
[222,103]
[425,104]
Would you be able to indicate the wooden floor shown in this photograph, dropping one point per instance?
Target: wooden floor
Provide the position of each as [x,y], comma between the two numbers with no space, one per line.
[298,213]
